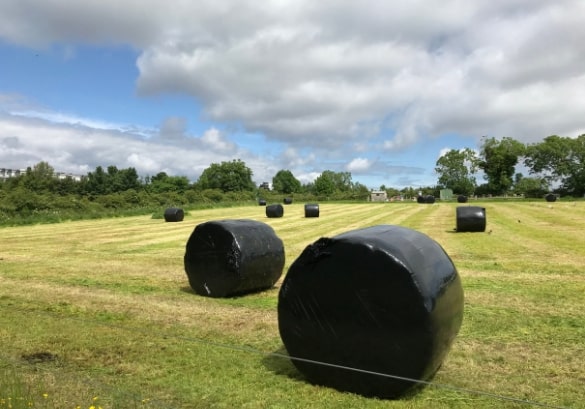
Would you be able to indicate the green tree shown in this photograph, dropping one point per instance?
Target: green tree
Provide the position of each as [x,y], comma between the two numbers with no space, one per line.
[530,187]
[456,169]
[165,183]
[560,159]
[324,184]
[498,159]
[285,182]
[40,178]
[128,179]
[97,182]
[67,186]
[342,180]
[231,176]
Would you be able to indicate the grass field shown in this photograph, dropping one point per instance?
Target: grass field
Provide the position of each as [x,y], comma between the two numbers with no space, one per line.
[99,313]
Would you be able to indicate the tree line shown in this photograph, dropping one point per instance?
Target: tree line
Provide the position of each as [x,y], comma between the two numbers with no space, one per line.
[556,164]
[38,194]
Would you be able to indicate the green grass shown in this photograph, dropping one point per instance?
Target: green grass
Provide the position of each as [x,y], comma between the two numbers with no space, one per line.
[109,303]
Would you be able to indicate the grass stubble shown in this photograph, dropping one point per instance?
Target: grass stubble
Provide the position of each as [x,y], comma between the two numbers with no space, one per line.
[99,313]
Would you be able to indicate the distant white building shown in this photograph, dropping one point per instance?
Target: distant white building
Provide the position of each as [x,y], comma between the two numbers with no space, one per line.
[10,173]
[62,175]
[378,196]
[6,173]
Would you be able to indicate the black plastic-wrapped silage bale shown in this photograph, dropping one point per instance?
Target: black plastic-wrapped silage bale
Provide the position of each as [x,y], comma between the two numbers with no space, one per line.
[385,299]
[232,257]
[262,202]
[173,214]
[287,200]
[311,210]
[470,219]
[274,210]
[420,199]
[430,199]
[461,199]
[550,197]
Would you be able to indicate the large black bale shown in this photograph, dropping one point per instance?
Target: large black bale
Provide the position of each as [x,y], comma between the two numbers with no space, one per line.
[550,197]
[470,219]
[385,299]
[173,214]
[274,210]
[420,199]
[233,257]
[288,200]
[461,199]
[311,210]
[429,199]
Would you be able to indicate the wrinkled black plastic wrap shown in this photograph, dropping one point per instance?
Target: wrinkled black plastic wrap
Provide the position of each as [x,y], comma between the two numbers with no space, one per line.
[233,257]
[470,219]
[550,197]
[274,210]
[385,299]
[311,210]
[173,214]
[428,199]
[461,199]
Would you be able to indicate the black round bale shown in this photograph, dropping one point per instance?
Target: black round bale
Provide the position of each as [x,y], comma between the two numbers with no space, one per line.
[288,200]
[311,210]
[420,199]
[550,197]
[274,210]
[174,214]
[430,199]
[470,219]
[384,299]
[461,199]
[262,202]
[232,257]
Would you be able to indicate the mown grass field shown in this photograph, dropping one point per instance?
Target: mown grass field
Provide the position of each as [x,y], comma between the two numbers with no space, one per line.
[100,313]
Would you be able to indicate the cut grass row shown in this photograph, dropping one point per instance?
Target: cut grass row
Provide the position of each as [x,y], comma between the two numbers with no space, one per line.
[111,300]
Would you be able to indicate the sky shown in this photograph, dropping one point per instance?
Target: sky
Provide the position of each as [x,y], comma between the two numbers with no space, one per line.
[377,88]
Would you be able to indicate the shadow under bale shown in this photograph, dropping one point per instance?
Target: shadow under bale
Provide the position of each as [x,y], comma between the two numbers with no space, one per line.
[311,210]
[470,219]
[384,299]
[233,257]
[274,210]
[173,214]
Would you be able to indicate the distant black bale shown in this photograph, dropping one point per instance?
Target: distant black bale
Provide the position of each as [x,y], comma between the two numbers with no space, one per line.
[274,210]
[262,202]
[430,199]
[462,199]
[550,197]
[173,214]
[288,200]
[385,299]
[470,219]
[232,257]
[420,199]
[311,210]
